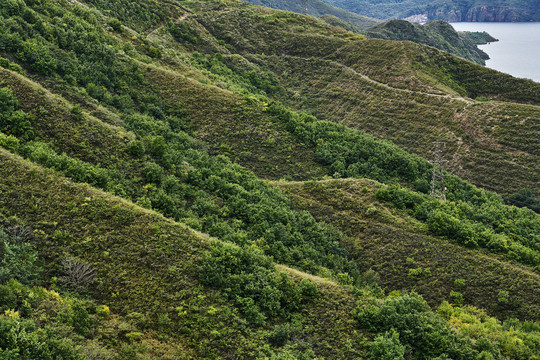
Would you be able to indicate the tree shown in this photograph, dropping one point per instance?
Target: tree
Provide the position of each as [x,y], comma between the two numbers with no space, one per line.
[387,347]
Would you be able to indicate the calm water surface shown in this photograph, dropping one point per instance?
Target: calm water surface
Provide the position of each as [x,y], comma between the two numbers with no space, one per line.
[518,50]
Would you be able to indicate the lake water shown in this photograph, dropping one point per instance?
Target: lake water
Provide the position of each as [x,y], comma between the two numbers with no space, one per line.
[518,50]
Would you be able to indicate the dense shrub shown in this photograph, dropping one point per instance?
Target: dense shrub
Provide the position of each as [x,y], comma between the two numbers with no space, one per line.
[247,276]
[425,333]
[13,121]
[18,259]
[387,347]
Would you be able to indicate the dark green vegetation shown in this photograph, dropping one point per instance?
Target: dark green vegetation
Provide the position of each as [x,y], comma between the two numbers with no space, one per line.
[438,34]
[449,10]
[477,37]
[482,10]
[137,141]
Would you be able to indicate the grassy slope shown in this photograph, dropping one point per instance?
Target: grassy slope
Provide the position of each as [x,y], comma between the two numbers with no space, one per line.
[133,250]
[250,137]
[392,244]
[486,143]
[331,85]
[319,8]
[92,139]
[106,231]
[438,34]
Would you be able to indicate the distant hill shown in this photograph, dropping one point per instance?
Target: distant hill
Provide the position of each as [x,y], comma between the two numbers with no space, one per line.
[439,34]
[319,8]
[483,10]
[449,10]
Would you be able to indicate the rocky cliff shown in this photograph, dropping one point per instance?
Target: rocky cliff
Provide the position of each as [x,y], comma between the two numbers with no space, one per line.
[482,11]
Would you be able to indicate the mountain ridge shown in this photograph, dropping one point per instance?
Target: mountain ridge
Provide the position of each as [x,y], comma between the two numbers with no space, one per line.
[448,10]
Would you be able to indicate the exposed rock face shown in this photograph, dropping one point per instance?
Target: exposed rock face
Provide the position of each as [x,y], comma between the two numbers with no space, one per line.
[418,18]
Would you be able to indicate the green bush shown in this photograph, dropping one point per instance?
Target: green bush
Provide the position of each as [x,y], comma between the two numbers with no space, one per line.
[13,121]
[153,173]
[426,334]
[9,142]
[387,347]
[18,260]
[247,276]
[136,148]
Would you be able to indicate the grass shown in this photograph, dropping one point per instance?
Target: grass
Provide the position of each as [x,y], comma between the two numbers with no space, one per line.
[148,264]
[395,246]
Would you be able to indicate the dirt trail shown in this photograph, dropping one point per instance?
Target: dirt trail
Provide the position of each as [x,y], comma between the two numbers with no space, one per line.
[375,82]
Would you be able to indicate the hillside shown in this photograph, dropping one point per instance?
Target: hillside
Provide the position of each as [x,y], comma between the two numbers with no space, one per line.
[438,34]
[213,179]
[319,8]
[448,10]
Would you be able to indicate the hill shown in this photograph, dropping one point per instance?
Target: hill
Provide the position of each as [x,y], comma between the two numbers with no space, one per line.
[166,192]
[319,8]
[448,10]
[438,34]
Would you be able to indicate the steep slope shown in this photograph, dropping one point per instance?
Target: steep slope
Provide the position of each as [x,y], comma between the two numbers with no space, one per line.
[359,83]
[134,122]
[151,266]
[385,10]
[417,261]
[481,10]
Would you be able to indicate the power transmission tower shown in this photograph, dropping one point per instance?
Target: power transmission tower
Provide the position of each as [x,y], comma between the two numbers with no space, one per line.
[438,188]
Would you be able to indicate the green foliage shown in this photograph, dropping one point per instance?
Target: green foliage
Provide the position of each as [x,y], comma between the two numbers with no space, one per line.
[524,198]
[351,153]
[76,169]
[136,148]
[153,173]
[140,14]
[333,15]
[20,339]
[116,25]
[438,34]
[503,297]
[492,339]
[426,334]
[476,219]
[13,121]
[248,277]
[67,41]
[181,32]
[18,259]
[387,347]
[457,297]
[71,49]
[9,142]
